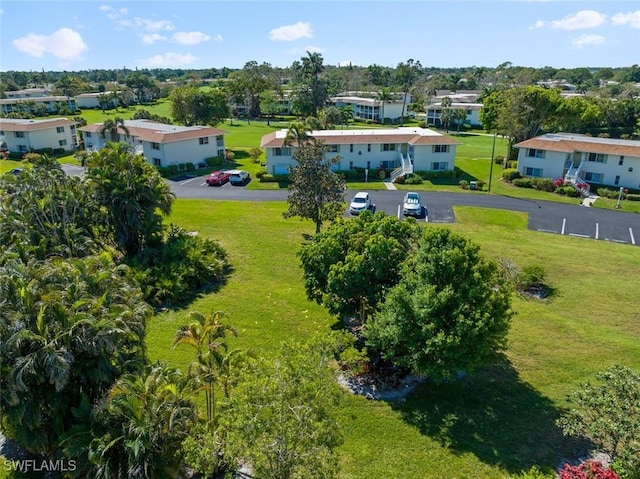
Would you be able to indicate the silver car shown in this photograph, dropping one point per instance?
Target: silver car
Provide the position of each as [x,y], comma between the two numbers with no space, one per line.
[412,204]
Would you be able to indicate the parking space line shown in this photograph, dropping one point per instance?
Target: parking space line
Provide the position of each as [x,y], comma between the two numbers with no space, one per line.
[564,223]
[633,240]
[398,211]
[579,235]
[203,183]
[613,240]
[547,231]
[597,230]
[188,181]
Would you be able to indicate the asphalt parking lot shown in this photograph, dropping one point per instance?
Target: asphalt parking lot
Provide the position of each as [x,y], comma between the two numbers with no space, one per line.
[544,216]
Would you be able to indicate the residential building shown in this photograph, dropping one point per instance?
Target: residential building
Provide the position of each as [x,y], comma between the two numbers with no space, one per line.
[27,93]
[366,106]
[403,150]
[161,144]
[21,135]
[92,100]
[581,159]
[37,104]
[471,109]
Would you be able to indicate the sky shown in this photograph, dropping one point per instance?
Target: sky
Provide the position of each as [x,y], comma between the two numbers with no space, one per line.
[84,35]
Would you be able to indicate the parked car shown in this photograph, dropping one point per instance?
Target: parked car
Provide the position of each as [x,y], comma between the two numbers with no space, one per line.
[360,202]
[238,177]
[218,178]
[412,204]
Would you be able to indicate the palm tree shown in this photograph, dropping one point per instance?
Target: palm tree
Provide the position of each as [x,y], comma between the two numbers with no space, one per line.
[143,421]
[459,115]
[110,129]
[384,96]
[297,133]
[446,114]
[206,334]
[103,100]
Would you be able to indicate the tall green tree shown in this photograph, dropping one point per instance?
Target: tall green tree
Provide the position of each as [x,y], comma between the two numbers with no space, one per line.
[69,85]
[349,267]
[281,418]
[310,88]
[249,83]
[384,95]
[68,330]
[192,106]
[297,134]
[133,194]
[142,86]
[406,75]
[450,310]
[315,191]
[269,104]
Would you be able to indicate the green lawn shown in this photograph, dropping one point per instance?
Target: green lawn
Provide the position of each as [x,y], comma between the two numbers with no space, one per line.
[496,423]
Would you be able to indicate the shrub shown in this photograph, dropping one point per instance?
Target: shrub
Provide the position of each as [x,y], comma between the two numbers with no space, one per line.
[213,161]
[382,174]
[633,197]
[464,184]
[261,173]
[190,166]
[568,190]
[499,160]
[31,157]
[266,178]
[400,180]
[531,277]
[512,164]
[557,183]
[522,182]
[176,268]
[543,184]
[229,155]
[510,174]
[413,179]
[586,470]
[58,151]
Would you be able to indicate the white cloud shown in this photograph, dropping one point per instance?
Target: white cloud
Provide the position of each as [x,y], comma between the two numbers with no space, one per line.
[580,20]
[538,24]
[112,13]
[585,39]
[147,24]
[308,48]
[168,60]
[631,18]
[64,43]
[190,38]
[218,38]
[151,38]
[345,63]
[287,33]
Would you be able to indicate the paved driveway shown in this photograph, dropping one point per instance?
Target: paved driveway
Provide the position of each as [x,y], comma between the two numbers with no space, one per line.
[544,216]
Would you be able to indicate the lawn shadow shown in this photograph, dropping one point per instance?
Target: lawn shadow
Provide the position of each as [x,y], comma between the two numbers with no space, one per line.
[494,415]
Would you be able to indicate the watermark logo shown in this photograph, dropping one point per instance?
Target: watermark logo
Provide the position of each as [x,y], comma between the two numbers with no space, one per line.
[39,465]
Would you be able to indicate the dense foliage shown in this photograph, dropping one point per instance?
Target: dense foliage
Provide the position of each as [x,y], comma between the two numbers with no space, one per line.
[450,310]
[349,267]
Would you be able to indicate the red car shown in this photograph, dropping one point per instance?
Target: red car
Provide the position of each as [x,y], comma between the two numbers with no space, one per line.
[218,178]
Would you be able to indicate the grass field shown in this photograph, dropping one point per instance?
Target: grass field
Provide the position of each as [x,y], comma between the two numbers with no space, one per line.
[493,424]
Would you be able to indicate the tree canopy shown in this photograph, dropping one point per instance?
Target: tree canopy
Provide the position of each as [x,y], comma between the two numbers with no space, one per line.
[450,310]
[349,267]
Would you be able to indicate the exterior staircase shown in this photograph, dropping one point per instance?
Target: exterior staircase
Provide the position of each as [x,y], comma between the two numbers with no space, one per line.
[405,168]
[572,176]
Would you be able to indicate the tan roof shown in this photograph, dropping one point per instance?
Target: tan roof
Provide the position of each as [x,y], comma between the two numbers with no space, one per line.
[32,125]
[332,137]
[159,132]
[569,143]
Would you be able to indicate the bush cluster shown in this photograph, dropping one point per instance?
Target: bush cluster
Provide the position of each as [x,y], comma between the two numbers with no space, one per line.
[510,174]
[430,175]
[413,179]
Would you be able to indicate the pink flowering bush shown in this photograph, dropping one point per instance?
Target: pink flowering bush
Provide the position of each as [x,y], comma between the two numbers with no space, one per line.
[587,470]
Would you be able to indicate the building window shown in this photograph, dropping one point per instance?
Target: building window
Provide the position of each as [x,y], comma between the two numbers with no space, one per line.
[204,140]
[593,177]
[439,166]
[533,153]
[282,152]
[617,181]
[60,129]
[19,134]
[22,148]
[157,162]
[368,147]
[87,134]
[598,157]
[368,165]
[62,143]
[334,148]
[388,147]
[441,148]
[351,165]
[534,172]
[220,140]
[1,133]
[351,148]
[621,161]
[156,146]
